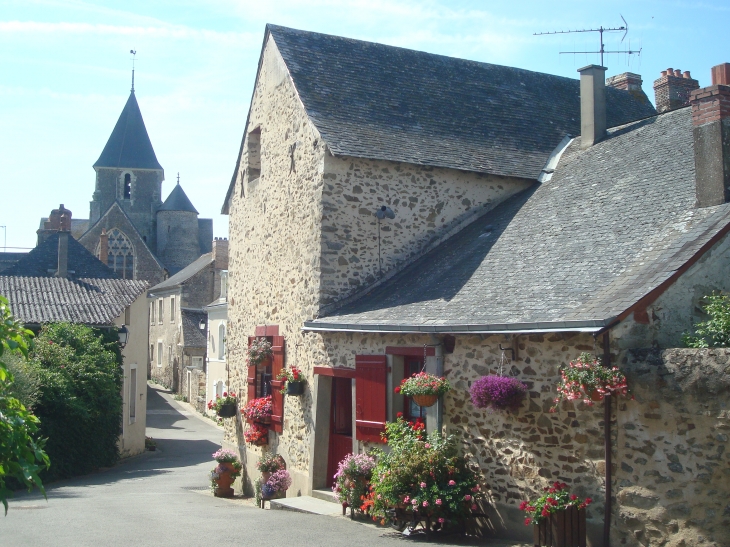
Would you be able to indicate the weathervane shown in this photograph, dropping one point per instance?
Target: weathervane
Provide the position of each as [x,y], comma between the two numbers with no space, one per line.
[134,58]
[600,31]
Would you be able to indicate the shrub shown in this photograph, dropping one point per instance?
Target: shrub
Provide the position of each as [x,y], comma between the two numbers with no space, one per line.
[80,403]
[715,332]
[352,480]
[498,392]
[423,475]
[554,498]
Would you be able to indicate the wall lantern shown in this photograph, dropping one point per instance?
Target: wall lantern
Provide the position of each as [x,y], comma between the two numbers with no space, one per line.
[123,335]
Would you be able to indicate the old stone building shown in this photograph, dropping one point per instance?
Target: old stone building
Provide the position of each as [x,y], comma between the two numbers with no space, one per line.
[178,320]
[216,370]
[392,210]
[129,227]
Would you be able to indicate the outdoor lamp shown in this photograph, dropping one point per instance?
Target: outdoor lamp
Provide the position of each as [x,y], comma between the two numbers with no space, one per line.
[123,335]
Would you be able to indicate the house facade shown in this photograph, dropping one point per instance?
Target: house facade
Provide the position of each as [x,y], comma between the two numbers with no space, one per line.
[378,229]
[216,370]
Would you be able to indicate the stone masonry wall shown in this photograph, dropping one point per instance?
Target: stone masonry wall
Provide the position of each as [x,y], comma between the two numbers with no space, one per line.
[428,202]
[672,472]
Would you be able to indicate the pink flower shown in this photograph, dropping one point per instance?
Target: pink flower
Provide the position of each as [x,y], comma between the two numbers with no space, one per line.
[467,497]
[423,485]
[442,520]
[414,502]
[452,483]
[438,501]
[523,504]
[428,445]
[475,489]
[473,506]
[406,499]
[425,504]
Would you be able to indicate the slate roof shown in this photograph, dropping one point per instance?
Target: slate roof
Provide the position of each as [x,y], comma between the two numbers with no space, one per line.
[613,223]
[192,335]
[382,102]
[36,300]
[178,201]
[9,259]
[42,261]
[186,273]
[129,144]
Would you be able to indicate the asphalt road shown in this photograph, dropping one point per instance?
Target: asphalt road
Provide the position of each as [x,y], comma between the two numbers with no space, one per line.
[162,498]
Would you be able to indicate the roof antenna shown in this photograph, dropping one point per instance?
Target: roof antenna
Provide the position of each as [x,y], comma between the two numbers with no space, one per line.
[600,30]
[133,52]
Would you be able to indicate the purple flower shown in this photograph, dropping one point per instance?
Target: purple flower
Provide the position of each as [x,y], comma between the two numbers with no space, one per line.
[498,392]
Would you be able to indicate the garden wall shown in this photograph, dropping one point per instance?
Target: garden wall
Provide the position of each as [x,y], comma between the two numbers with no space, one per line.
[672,472]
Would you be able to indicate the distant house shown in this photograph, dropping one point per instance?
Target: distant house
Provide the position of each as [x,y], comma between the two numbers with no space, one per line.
[177,329]
[392,210]
[59,280]
[216,372]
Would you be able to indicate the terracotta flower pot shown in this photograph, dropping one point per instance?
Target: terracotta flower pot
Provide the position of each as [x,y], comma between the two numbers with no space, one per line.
[425,400]
[224,481]
[596,396]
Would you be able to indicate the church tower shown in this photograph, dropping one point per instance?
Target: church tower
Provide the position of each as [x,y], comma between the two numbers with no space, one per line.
[178,237]
[128,173]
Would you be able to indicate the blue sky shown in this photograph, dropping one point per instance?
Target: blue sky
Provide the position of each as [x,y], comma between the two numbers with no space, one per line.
[66,74]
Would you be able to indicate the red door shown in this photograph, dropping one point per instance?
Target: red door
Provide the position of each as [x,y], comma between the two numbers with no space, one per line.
[340,425]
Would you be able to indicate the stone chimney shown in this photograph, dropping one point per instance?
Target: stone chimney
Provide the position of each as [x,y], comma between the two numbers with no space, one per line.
[104,247]
[592,105]
[628,81]
[220,253]
[64,230]
[711,133]
[53,224]
[672,89]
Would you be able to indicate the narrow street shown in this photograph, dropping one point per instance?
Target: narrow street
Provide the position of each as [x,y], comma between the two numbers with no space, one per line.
[162,498]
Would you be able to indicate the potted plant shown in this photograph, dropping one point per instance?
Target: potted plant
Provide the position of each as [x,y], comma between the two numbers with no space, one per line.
[586,379]
[425,388]
[257,435]
[228,468]
[224,407]
[558,517]
[278,483]
[259,410]
[269,463]
[498,392]
[293,381]
[352,480]
[258,351]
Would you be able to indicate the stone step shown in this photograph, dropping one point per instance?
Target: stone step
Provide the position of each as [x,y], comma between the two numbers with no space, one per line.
[326,495]
[307,504]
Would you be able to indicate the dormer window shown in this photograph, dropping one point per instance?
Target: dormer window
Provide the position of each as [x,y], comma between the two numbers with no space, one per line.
[127,186]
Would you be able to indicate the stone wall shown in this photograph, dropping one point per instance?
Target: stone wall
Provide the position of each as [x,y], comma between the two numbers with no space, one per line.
[672,472]
[429,203]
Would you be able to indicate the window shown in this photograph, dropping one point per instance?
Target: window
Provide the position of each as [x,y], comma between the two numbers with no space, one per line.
[120,257]
[172,309]
[133,394]
[254,154]
[219,388]
[411,366]
[127,191]
[160,304]
[159,354]
[261,378]
[198,362]
[152,313]
[221,342]
[152,353]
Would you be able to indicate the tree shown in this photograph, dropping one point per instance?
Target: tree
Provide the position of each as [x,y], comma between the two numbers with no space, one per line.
[715,332]
[21,452]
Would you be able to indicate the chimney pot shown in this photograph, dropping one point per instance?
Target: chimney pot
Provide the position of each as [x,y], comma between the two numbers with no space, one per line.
[672,90]
[669,71]
[721,74]
[685,74]
[592,105]
[678,73]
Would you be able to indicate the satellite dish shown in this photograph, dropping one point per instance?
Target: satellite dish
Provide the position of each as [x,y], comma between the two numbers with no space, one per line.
[384,212]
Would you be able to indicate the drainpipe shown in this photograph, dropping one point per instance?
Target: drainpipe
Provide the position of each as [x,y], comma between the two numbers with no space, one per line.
[608,448]
[439,353]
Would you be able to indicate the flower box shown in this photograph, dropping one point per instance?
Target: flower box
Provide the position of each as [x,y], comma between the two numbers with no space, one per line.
[565,528]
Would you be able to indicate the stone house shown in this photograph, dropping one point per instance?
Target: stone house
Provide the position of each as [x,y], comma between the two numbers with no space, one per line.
[216,370]
[177,320]
[129,227]
[59,280]
[392,210]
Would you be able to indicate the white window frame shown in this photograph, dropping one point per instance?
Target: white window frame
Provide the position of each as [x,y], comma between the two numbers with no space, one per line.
[133,393]
[152,312]
[172,309]
[160,311]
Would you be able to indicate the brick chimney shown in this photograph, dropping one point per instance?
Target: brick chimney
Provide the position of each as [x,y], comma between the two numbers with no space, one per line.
[592,105]
[104,247]
[711,133]
[64,230]
[53,223]
[672,89]
[220,253]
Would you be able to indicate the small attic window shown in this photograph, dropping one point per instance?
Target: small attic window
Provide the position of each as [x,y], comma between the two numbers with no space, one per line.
[254,154]
[127,186]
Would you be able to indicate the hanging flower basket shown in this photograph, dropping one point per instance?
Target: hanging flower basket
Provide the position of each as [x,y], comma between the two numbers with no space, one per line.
[293,380]
[257,435]
[258,352]
[425,400]
[588,380]
[227,411]
[224,407]
[498,392]
[294,388]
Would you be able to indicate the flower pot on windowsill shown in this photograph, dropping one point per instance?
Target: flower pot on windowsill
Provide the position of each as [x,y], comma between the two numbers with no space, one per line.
[566,528]
[425,400]
[294,388]
[265,420]
[227,410]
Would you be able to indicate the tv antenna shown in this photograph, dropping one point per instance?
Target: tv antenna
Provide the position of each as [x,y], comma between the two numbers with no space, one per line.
[600,30]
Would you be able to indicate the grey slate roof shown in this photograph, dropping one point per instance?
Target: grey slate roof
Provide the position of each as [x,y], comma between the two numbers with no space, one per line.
[186,273]
[192,335]
[129,144]
[42,261]
[613,223]
[382,102]
[9,259]
[36,300]
[178,201]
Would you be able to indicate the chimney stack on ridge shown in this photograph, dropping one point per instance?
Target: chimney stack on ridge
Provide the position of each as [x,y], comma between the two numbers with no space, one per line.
[672,89]
[592,105]
[64,230]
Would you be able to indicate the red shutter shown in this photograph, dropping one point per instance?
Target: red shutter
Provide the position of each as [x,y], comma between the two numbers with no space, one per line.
[277,397]
[251,380]
[370,397]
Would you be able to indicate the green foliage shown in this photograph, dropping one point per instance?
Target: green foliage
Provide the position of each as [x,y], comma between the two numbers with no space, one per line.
[21,451]
[80,405]
[423,474]
[715,332]
[26,380]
